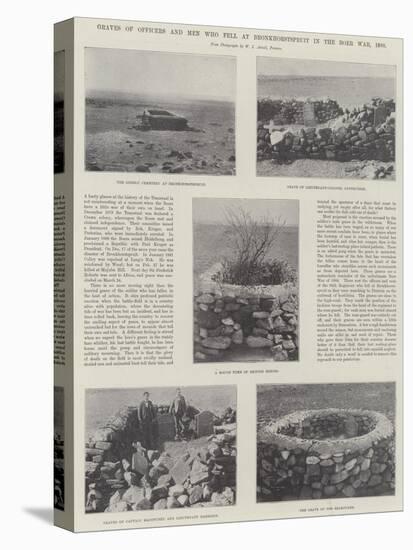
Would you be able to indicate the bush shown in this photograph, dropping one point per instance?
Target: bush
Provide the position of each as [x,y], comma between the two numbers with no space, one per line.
[251,241]
[272,272]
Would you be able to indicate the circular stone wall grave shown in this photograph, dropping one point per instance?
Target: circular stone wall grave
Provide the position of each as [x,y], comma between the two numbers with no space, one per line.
[326,453]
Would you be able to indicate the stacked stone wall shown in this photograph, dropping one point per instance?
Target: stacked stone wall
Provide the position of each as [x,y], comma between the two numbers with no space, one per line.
[359,135]
[291,111]
[330,453]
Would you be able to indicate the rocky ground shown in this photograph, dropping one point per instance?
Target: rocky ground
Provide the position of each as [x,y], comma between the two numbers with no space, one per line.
[148,155]
[196,473]
[115,141]
[371,169]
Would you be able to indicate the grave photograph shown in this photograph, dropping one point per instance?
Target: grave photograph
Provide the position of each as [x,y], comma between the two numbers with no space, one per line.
[159,112]
[59,449]
[59,112]
[325,119]
[245,265]
[160,448]
[325,441]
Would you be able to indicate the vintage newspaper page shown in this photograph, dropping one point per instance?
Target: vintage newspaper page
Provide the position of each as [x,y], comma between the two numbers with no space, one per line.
[228,288]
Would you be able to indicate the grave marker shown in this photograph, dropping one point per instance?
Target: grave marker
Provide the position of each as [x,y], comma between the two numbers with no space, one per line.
[166,427]
[204,423]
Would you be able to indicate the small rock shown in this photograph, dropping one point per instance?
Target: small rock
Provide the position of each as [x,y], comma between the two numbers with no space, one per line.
[349,491]
[217,342]
[133,495]
[374,480]
[238,337]
[160,504]
[350,464]
[172,502]
[158,492]
[180,471]
[199,472]
[176,170]
[228,321]
[196,495]
[183,500]
[176,490]
[258,342]
[205,299]
[260,314]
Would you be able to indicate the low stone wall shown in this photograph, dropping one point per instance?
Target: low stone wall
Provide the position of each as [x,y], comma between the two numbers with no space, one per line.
[327,453]
[227,317]
[120,475]
[292,111]
[364,134]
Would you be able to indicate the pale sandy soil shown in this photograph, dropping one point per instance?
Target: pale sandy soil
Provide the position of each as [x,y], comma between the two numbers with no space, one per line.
[322,169]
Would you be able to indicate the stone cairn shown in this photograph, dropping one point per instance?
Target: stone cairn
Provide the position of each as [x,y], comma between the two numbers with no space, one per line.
[120,475]
[366,133]
[225,320]
[327,453]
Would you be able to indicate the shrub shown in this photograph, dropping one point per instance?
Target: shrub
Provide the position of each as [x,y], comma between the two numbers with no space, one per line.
[272,272]
[251,240]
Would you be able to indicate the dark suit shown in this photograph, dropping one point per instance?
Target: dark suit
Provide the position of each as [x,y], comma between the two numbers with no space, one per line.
[147,417]
[178,410]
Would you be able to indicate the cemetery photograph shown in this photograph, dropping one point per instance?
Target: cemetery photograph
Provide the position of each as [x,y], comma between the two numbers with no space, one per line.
[160,448]
[245,272]
[325,441]
[159,112]
[325,119]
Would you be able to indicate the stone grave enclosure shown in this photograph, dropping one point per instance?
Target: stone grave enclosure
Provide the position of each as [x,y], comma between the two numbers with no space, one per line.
[367,133]
[228,316]
[326,453]
[120,475]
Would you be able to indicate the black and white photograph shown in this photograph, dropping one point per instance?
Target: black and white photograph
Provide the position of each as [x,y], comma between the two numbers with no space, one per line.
[160,448]
[159,112]
[245,272]
[59,112]
[325,441]
[325,119]
[59,449]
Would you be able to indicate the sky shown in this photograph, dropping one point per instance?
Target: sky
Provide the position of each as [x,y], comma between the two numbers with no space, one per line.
[309,67]
[59,73]
[158,73]
[102,403]
[213,210]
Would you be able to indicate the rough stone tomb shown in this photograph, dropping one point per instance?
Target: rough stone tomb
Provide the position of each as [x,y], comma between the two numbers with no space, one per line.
[166,427]
[204,423]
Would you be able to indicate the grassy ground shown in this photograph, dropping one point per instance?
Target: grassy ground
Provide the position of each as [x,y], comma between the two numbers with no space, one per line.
[274,401]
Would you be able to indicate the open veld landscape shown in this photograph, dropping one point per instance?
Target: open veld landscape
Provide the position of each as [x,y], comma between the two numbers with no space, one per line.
[115,141]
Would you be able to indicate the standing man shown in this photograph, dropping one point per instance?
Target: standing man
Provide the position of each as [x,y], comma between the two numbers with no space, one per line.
[147,417]
[178,410]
